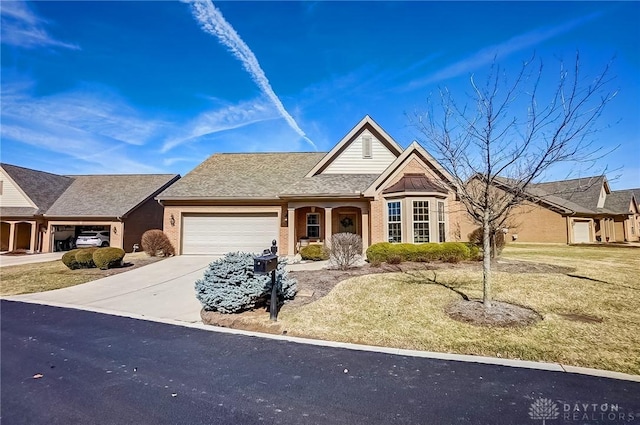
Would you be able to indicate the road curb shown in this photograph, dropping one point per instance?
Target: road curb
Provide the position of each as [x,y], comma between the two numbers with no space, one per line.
[524,364]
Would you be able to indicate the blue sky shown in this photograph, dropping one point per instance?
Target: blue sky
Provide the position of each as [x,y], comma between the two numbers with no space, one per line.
[138,87]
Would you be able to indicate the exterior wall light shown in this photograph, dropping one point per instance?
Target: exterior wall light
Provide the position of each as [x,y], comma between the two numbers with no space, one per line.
[172,220]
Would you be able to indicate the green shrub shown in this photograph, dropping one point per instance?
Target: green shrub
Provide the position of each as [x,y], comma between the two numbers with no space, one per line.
[155,242]
[84,257]
[474,251]
[314,253]
[447,251]
[394,259]
[108,258]
[229,284]
[454,252]
[378,253]
[69,259]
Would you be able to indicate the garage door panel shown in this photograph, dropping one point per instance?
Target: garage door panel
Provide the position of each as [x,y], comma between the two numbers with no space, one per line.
[219,234]
[581,232]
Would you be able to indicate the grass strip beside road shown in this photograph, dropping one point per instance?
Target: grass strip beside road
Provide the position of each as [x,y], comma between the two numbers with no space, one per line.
[591,319]
[40,277]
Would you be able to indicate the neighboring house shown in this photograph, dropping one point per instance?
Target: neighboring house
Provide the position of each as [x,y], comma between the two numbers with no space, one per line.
[581,210]
[367,185]
[41,212]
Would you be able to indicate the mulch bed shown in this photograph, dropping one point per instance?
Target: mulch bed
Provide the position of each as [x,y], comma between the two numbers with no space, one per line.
[500,314]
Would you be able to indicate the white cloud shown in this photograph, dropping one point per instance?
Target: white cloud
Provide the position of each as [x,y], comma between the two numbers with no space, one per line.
[227,117]
[486,55]
[97,132]
[22,28]
[102,115]
[212,22]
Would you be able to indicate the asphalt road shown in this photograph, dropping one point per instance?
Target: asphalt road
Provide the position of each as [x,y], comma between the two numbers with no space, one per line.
[101,369]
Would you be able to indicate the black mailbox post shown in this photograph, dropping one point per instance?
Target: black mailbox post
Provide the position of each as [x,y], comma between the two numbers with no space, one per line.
[265,264]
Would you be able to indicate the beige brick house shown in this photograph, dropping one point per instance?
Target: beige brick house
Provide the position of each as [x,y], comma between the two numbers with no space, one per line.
[367,185]
[42,212]
[583,210]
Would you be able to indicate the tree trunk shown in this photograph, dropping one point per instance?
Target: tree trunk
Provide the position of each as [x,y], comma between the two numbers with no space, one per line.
[486,262]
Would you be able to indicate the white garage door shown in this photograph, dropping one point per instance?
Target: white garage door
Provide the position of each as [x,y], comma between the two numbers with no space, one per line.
[581,232]
[217,234]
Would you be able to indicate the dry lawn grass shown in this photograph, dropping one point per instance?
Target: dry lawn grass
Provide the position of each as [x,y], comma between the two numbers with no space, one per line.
[407,310]
[40,277]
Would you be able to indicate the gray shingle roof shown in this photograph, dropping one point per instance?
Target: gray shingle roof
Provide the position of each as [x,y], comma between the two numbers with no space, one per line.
[18,211]
[576,195]
[243,176]
[584,192]
[41,187]
[619,201]
[107,195]
[330,185]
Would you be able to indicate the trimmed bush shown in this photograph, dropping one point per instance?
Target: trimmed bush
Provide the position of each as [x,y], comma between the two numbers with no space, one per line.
[84,257]
[230,286]
[474,251]
[69,259]
[314,253]
[386,252]
[394,259]
[108,258]
[155,243]
[454,252]
[378,253]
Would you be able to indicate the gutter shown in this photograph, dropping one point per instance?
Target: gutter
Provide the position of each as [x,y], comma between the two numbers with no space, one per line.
[228,198]
[322,195]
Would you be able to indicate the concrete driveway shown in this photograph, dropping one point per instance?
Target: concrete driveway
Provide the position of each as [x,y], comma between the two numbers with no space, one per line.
[162,290]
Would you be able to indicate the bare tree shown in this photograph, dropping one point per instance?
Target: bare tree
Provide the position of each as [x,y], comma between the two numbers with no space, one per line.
[510,135]
[345,250]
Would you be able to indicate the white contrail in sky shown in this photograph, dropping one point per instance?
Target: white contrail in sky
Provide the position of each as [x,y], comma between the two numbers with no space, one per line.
[212,21]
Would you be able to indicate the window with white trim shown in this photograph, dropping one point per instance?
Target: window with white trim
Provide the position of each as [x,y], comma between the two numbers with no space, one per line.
[366,147]
[394,221]
[313,225]
[441,228]
[420,221]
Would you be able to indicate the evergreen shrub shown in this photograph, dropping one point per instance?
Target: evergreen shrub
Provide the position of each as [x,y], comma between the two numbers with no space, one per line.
[314,253]
[108,258]
[229,284]
[69,259]
[386,252]
[84,258]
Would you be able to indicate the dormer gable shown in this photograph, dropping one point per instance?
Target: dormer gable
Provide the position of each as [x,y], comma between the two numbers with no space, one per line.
[436,174]
[11,194]
[604,191]
[366,149]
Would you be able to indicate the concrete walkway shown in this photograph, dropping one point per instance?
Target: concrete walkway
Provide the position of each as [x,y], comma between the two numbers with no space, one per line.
[162,290]
[16,260]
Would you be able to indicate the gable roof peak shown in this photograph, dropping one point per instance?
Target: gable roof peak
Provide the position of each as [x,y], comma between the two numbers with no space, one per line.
[366,123]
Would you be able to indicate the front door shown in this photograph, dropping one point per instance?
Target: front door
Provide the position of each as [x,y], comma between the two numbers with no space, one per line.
[347,223]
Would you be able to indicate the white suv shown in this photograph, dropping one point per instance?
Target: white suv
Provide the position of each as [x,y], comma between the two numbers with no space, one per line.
[93,239]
